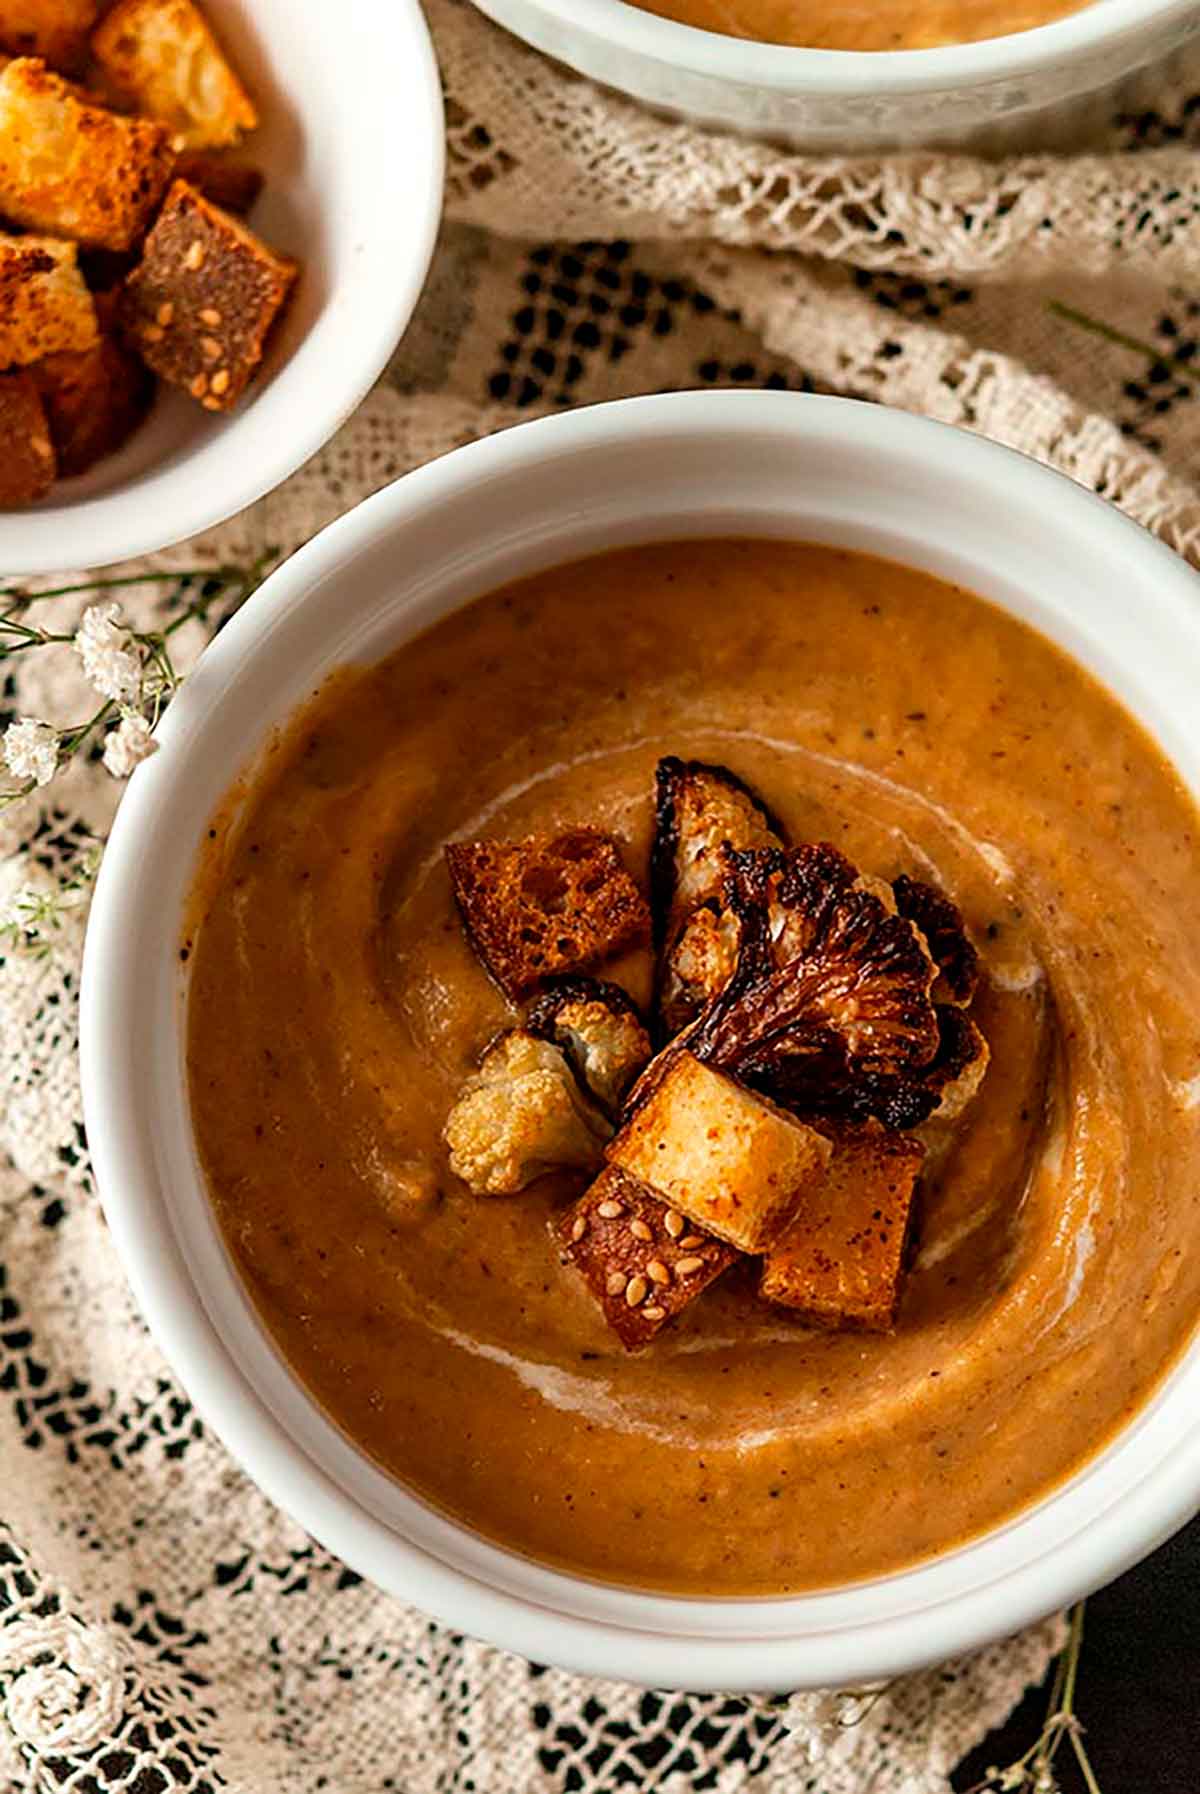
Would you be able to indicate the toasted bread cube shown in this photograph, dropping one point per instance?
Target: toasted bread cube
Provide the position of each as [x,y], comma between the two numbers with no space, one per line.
[55,30]
[842,1259]
[94,398]
[549,904]
[44,305]
[232,185]
[201,302]
[163,55]
[727,1159]
[643,1262]
[26,452]
[73,169]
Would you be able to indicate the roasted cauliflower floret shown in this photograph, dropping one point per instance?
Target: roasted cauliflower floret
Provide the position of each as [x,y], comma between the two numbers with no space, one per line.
[700,810]
[945,932]
[958,1068]
[597,1026]
[521,1115]
[697,967]
[825,975]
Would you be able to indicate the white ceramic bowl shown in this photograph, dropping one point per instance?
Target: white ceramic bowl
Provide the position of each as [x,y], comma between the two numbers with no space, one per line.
[691,464]
[1030,87]
[350,142]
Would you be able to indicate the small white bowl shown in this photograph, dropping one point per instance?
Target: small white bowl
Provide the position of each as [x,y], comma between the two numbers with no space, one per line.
[350,143]
[1030,86]
[687,464]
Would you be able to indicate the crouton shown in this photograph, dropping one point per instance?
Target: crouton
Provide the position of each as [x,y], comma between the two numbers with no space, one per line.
[55,30]
[522,1114]
[642,1261]
[842,1259]
[95,398]
[72,169]
[597,1026]
[26,453]
[163,55]
[201,302]
[728,1159]
[234,186]
[941,923]
[545,905]
[827,981]
[44,305]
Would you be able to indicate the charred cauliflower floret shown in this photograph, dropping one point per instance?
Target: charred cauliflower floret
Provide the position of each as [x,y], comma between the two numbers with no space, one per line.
[825,975]
[699,811]
[957,1069]
[521,1115]
[945,932]
[699,965]
[597,1026]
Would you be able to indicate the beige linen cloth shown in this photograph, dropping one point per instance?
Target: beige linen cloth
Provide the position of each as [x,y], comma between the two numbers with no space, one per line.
[161,1625]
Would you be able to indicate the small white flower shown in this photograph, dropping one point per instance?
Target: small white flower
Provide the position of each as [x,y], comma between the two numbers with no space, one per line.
[111,661]
[31,750]
[128,745]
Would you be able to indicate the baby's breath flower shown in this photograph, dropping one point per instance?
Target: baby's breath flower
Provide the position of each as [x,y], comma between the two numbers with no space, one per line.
[128,745]
[31,750]
[111,660]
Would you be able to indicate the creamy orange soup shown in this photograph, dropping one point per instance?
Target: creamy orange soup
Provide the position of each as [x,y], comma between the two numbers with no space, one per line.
[335,1009]
[864,24]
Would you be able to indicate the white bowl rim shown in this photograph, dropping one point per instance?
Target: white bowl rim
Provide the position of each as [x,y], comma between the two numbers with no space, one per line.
[121,525]
[1158,1499]
[849,74]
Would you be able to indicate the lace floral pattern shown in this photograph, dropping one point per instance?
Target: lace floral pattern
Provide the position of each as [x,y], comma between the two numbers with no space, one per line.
[161,1625]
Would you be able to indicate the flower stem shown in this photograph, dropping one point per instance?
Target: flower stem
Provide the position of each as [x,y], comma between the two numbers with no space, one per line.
[1186,368]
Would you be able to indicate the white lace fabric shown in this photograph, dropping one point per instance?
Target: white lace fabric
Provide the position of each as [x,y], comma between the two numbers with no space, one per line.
[162,1626]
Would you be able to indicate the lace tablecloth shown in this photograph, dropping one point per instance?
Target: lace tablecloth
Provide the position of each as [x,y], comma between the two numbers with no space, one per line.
[161,1625]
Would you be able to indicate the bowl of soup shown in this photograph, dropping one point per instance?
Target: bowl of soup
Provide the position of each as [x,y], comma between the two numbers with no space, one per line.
[864,74]
[922,648]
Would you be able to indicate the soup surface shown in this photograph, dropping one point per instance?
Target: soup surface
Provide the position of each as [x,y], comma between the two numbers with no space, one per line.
[335,1009]
[864,24]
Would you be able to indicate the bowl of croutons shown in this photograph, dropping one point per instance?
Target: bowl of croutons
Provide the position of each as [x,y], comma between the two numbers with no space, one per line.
[200,275]
[639,1047]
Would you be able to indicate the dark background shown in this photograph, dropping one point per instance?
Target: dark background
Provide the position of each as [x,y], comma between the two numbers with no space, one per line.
[1139,1685]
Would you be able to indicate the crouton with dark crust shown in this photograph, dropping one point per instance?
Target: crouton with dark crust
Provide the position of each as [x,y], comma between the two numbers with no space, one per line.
[55,30]
[643,1261]
[842,1258]
[728,1159]
[941,922]
[44,305]
[95,398]
[27,466]
[73,169]
[597,1026]
[163,56]
[203,299]
[520,1116]
[547,905]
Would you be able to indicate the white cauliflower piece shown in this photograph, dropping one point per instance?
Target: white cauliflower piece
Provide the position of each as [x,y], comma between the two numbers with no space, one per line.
[522,1114]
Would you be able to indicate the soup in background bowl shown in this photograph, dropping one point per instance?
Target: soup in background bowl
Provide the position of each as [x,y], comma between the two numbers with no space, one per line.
[1028,1428]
